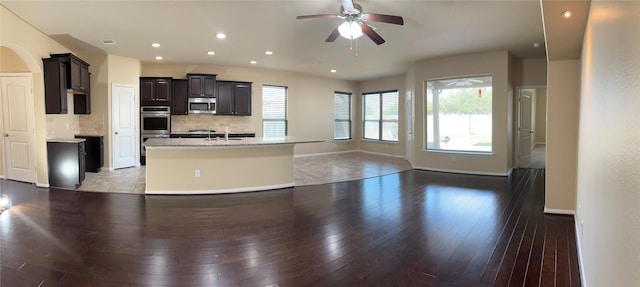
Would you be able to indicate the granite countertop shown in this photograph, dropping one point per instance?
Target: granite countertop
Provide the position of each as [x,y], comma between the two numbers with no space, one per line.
[221,142]
[71,140]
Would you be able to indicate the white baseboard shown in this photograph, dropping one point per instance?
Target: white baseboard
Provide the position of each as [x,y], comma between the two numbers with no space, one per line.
[579,249]
[323,153]
[464,171]
[43,185]
[560,211]
[217,191]
[348,151]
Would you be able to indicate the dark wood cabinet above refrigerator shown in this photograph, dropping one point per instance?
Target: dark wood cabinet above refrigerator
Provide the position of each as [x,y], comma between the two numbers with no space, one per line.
[234,98]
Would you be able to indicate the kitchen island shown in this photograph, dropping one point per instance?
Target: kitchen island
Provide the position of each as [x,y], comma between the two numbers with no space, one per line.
[208,166]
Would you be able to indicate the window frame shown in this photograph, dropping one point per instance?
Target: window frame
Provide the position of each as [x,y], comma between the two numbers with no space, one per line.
[380,119]
[427,125]
[349,121]
[286,111]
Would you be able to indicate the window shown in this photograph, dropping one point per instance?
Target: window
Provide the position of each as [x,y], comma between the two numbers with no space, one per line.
[380,116]
[274,111]
[459,114]
[342,116]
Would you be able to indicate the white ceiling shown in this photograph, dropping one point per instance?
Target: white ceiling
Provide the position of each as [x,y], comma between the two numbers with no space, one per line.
[186,31]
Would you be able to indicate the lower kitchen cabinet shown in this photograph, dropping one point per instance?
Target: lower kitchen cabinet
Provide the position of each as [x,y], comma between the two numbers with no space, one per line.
[94,148]
[66,159]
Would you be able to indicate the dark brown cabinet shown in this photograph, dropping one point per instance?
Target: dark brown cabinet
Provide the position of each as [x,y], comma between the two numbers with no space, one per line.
[94,152]
[155,91]
[66,162]
[202,85]
[55,86]
[233,98]
[78,78]
[64,72]
[180,97]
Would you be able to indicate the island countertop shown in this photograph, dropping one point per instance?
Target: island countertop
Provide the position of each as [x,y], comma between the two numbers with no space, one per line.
[170,143]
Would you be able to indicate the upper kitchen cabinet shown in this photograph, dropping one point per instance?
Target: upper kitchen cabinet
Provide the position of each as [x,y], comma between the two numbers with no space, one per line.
[180,97]
[55,86]
[77,72]
[234,98]
[64,72]
[155,91]
[202,85]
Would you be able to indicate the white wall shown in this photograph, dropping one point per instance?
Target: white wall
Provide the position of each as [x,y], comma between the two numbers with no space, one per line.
[608,177]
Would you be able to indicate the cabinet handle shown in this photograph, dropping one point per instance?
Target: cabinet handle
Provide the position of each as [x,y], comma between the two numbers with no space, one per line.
[6,135]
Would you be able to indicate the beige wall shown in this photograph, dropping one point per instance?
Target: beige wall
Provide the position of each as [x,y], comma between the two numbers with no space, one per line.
[492,63]
[31,45]
[125,71]
[563,101]
[310,100]
[541,116]
[530,72]
[608,177]
[378,85]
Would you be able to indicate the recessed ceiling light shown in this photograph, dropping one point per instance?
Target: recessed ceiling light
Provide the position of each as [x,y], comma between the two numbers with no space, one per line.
[333,71]
[158,57]
[268,52]
[211,53]
[566,14]
[221,36]
[536,45]
[253,62]
[108,42]
[155,45]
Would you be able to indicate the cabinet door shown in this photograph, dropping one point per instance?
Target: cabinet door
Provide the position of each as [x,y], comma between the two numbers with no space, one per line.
[242,93]
[163,90]
[147,91]
[55,87]
[224,101]
[179,97]
[85,80]
[195,86]
[76,74]
[209,86]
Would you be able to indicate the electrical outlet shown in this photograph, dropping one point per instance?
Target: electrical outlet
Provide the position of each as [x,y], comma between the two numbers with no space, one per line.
[197,173]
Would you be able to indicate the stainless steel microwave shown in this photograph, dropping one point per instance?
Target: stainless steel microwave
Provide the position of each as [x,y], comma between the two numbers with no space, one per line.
[202,105]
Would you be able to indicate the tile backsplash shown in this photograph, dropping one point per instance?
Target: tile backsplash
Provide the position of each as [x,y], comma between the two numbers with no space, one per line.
[89,124]
[202,122]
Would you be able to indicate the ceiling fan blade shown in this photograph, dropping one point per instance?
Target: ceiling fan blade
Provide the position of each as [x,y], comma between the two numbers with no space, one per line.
[317,16]
[347,5]
[333,36]
[383,18]
[372,34]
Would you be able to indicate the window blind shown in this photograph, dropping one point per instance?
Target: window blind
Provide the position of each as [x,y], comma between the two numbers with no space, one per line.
[342,116]
[274,111]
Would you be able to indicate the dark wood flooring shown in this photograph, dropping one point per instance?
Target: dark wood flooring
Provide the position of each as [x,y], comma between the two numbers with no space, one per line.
[414,228]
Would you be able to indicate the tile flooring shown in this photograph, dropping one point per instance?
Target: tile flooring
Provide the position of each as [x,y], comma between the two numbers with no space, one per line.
[308,170]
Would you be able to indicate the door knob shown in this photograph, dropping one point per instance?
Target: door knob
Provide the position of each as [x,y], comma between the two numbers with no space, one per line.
[6,135]
[116,132]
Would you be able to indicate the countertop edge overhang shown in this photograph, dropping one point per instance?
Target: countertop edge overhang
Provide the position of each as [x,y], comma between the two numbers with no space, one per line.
[185,143]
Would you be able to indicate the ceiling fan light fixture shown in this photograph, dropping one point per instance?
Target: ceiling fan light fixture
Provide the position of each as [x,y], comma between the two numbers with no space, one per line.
[350,30]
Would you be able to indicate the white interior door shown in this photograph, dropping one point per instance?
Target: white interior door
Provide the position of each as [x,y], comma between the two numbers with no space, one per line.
[524,127]
[123,126]
[18,125]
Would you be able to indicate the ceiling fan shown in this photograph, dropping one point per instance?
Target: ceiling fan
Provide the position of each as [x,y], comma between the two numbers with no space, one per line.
[355,23]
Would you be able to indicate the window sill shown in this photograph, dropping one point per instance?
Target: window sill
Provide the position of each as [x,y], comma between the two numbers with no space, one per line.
[379,141]
[478,153]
